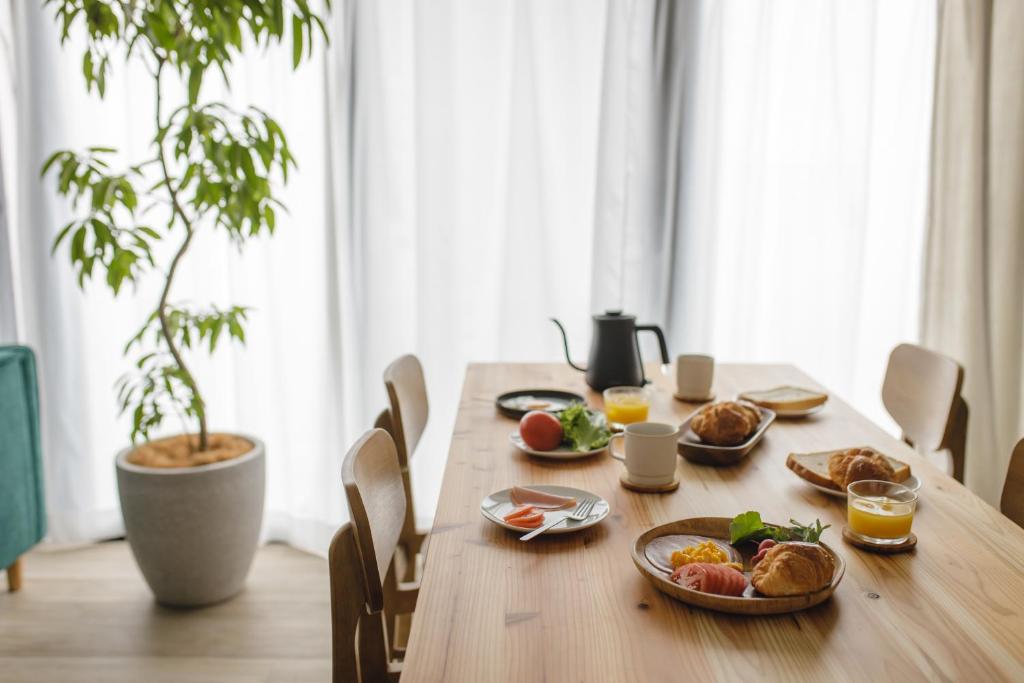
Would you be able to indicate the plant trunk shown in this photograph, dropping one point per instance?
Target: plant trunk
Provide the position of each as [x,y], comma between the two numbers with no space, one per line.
[199,406]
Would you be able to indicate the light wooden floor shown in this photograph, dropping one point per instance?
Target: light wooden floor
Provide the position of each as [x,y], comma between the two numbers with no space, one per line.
[87,615]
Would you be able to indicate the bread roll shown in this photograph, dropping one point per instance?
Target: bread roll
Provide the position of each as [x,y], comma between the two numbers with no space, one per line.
[858,464]
[793,569]
[728,423]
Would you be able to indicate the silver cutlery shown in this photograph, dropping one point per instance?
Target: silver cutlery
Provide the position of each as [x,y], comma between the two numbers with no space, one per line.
[580,514]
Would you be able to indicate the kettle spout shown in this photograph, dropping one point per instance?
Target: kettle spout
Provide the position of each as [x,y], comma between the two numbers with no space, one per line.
[565,343]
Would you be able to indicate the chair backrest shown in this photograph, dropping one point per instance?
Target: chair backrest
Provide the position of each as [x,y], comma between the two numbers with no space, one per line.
[921,391]
[407,396]
[376,501]
[1012,502]
[358,648]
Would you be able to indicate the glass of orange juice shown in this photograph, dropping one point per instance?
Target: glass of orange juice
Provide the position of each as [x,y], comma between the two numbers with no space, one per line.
[626,405]
[880,512]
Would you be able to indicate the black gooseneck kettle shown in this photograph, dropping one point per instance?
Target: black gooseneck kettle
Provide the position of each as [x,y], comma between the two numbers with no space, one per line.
[614,353]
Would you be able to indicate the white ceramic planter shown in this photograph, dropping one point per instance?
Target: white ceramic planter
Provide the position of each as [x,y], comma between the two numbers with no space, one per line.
[194,530]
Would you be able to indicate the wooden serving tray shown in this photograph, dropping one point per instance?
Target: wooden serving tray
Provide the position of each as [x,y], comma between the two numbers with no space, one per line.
[752,602]
[695,450]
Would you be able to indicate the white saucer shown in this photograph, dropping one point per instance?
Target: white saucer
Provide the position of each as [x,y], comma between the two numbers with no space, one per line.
[911,482]
[693,399]
[561,453]
[803,412]
[499,504]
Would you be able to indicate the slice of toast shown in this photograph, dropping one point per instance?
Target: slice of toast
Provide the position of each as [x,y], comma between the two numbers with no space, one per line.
[786,398]
[814,467]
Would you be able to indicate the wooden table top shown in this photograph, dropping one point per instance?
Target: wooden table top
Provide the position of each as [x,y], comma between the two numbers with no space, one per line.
[574,607]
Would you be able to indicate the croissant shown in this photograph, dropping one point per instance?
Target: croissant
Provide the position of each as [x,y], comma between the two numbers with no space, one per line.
[728,423]
[793,569]
[858,464]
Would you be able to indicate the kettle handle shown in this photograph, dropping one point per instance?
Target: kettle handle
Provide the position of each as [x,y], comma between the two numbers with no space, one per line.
[663,347]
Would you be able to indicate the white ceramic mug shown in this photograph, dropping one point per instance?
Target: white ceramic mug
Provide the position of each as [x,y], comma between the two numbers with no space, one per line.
[650,452]
[694,375]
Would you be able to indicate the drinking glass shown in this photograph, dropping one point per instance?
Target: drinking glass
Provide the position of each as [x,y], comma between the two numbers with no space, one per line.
[626,405]
[880,512]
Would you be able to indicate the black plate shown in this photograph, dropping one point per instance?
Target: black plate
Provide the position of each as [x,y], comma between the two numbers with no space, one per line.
[512,403]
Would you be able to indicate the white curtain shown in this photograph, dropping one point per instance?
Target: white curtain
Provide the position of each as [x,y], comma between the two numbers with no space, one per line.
[764,176]
[284,386]
[751,179]
[974,284]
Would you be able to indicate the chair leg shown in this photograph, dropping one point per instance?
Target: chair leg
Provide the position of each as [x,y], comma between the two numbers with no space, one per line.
[957,439]
[14,576]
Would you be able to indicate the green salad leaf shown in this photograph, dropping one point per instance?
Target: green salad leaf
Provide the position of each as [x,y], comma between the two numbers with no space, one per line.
[749,527]
[582,430]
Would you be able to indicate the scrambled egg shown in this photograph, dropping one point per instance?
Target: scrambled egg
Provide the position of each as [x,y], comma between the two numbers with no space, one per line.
[708,551]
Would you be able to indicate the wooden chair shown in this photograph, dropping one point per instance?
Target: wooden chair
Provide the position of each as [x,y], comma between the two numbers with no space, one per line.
[405,419]
[376,501]
[358,646]
[921,391]
[1012,502]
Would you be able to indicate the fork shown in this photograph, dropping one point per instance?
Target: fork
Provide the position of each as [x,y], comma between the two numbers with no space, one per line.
[580,514]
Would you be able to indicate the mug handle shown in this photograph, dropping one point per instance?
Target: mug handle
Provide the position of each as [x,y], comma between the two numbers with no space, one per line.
[611,449]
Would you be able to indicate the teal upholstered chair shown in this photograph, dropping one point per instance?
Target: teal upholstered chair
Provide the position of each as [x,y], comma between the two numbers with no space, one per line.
[22,511]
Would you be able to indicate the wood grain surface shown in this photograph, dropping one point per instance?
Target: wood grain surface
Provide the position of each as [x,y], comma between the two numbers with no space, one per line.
[85,615]
[574,608]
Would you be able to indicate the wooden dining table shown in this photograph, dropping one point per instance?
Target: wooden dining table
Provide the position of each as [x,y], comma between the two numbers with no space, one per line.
[573,607]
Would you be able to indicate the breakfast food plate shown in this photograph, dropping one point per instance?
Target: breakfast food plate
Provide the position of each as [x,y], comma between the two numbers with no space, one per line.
[790,413]
[699,450]
[497,506]
[515,404]
[560,453]
[849,464]
[788,401]
[716,530]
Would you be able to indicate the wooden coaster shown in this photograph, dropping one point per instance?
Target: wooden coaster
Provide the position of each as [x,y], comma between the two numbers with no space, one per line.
[639,488]
[694,399]
[906,546]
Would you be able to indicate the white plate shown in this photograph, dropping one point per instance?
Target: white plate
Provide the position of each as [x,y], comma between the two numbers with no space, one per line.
[804,412]
[911,482]
[561,453]
[498,504]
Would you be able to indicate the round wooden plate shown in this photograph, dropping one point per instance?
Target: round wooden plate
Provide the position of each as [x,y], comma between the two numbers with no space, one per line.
[752,602]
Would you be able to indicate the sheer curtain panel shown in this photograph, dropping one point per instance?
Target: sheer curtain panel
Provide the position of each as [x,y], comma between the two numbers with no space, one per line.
[751,176]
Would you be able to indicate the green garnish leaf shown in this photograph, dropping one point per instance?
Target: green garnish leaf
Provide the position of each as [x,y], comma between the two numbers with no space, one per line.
[581,430]
[745,525]
[749,527]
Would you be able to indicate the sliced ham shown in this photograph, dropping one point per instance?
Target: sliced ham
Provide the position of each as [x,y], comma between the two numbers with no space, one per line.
[520,495]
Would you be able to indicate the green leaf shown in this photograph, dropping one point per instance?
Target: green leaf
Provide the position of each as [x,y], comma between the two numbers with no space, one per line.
[60,237]
[88,69]
[744,526]
[78,244]
[582,430]
[195,81]
[296,40]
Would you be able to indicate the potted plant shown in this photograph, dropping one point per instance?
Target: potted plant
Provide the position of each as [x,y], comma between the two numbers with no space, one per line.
[192,503]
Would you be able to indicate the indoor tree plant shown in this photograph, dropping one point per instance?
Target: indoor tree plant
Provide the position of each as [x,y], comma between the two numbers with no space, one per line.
[192,503]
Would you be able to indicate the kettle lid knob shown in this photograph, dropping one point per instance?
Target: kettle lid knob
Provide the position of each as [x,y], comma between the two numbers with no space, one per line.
[614,312]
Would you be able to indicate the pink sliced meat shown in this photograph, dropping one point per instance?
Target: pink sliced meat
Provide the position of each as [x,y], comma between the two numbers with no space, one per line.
[520,495]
